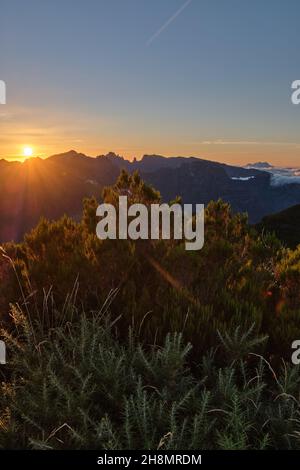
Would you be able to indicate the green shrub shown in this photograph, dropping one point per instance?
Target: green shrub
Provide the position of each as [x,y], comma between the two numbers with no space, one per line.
[77,386]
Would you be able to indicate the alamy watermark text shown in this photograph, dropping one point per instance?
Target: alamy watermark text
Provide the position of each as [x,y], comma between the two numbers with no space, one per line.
[159,221]
[2,92]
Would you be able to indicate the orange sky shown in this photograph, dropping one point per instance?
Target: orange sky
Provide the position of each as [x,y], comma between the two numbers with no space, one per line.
[203,80]
[94,136]
[237,153]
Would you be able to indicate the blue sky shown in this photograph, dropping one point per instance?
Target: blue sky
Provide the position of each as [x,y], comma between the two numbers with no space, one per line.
[214,83]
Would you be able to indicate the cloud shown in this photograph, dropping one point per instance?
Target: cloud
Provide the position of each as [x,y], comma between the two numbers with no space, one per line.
[280,180]
[246,142]
[281,176]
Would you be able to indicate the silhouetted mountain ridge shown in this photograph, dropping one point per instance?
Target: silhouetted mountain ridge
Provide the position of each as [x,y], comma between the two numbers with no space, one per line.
[57,185]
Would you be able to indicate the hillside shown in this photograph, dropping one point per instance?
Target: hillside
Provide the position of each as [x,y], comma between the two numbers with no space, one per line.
[135,344]
[285,224]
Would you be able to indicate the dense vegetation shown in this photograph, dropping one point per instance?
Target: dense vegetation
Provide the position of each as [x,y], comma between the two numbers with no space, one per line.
[285,225]
[78,387]
[122,344]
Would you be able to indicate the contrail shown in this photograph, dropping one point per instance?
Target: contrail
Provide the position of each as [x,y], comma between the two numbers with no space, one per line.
[167,23]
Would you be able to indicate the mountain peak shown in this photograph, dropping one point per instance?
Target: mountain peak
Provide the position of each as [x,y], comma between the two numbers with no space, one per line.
[259,165]
[68,155]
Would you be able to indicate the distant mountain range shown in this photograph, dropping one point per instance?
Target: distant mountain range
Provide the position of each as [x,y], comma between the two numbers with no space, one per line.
[57,185]
[259,165]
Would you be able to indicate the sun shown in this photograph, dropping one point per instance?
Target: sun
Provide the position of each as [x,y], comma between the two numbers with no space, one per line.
[27,151]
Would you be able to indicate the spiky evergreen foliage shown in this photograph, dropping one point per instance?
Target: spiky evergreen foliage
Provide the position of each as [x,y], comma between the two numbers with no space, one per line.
[115,378]
[240,277]
[77,386]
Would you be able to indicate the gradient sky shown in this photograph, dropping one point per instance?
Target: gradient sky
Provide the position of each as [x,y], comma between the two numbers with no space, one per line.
[209,78]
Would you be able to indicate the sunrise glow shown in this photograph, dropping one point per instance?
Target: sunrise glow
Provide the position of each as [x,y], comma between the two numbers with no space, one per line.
[27,151]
